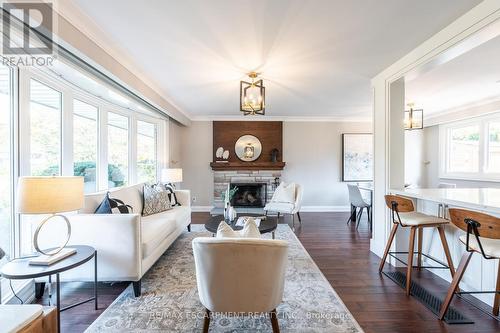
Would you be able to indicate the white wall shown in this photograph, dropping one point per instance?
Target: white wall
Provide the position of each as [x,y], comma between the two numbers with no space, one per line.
[313,155]
[312,152]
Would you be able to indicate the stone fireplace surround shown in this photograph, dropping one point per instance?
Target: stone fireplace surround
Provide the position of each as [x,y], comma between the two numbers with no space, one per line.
[225,177]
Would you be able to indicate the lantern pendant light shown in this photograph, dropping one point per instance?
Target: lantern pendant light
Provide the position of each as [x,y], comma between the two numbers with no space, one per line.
[252,96]
[414,119]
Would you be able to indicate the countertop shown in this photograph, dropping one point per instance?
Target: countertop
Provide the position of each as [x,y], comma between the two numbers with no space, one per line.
[484,199]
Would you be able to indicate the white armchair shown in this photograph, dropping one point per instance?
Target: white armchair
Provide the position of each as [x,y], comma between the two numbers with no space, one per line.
[286,207]
[240,275]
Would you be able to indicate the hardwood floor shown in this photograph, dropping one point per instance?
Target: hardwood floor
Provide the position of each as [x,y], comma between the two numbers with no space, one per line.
[343,255]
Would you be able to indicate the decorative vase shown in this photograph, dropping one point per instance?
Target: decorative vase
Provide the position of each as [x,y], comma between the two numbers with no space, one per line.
[231,212]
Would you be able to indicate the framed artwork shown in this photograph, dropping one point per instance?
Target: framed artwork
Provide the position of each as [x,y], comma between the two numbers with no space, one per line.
[357,157]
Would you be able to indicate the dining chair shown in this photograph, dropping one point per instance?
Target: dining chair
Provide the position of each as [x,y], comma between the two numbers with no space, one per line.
[357,201]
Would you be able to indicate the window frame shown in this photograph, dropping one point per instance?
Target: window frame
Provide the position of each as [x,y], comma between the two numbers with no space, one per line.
[444,149]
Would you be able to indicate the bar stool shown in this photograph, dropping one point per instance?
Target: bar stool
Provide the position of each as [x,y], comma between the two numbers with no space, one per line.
[403,214]
[485,239]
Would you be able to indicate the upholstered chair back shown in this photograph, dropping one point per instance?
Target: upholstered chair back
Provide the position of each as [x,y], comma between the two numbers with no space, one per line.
[355,197]
[240,275]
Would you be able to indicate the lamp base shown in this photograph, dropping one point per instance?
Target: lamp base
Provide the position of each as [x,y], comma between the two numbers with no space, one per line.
[37,231]
[47,260]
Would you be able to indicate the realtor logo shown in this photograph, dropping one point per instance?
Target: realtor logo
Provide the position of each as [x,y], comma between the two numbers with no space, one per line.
[19,18]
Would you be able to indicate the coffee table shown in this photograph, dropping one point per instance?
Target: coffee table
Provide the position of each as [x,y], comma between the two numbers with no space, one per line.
[269,224]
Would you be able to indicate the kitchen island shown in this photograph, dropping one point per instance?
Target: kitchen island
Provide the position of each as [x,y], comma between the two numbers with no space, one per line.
[481,273]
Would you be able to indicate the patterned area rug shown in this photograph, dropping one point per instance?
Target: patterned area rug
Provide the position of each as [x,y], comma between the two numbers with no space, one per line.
[169,301]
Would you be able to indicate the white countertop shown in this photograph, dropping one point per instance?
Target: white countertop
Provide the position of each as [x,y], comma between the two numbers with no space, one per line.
[485,199]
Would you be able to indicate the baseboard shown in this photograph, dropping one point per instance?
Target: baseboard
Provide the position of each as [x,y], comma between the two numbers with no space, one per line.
[197,209]
[321,209]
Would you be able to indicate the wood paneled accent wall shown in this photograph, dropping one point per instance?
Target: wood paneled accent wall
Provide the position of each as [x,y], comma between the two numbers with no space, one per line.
[270,134]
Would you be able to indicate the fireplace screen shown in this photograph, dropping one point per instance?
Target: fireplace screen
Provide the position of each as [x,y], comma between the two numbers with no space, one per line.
[249,195]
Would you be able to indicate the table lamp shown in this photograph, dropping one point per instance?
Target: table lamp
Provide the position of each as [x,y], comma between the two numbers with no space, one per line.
[172,175]
[49,195]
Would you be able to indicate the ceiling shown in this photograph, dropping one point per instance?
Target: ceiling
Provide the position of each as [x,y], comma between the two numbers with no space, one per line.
[472,78]
[316,57]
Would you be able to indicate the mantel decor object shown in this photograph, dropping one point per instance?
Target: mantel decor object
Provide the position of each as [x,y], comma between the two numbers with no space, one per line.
[274,155]
[248,148]
[50,195]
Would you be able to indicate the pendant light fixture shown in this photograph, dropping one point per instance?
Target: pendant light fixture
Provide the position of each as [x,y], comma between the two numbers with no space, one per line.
[252,96]
[414,119]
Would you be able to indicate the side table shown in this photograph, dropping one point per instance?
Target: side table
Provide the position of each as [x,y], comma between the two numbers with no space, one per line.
[20,269]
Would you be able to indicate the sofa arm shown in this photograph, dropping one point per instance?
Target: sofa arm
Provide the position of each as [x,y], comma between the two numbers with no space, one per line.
[116,237]
[184,197]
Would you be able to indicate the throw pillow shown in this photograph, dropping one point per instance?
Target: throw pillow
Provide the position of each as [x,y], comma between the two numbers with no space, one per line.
[284,193]
[171,195]
[113,206]
[156,200]
[250,230]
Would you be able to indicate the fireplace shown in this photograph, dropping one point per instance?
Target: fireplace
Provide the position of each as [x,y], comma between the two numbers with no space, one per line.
[249,195]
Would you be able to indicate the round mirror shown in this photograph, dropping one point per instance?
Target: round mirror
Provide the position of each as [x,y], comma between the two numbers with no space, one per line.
[248,148]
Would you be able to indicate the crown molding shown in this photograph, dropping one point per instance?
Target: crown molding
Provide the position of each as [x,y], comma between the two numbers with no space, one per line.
[336,119]
[469,110]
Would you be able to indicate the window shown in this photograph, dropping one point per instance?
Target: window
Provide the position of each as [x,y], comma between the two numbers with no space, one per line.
[6,161]
[45,130]
[118,144]
[494,146]
[464,149]
[471,149]
[146,151]
[85,138]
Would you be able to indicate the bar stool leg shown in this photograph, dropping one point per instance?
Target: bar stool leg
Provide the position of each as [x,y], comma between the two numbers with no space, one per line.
[419,258]
[454,283]
[410,260]
[496,303]
[388,246]
[446,249]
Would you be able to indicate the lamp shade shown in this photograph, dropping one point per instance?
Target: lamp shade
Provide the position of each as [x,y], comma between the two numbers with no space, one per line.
[171,175]
[49,195]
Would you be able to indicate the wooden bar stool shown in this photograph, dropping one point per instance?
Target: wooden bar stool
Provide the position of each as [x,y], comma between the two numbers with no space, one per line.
[483,236]
[403,214]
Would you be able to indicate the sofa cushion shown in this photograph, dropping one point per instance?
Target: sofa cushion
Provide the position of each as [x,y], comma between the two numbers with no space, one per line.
[250,230]
[155,228]
[131,195]
[156,200]
[282,207]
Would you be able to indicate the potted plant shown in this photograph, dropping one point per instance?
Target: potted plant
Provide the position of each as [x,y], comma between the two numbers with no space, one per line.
[227,196]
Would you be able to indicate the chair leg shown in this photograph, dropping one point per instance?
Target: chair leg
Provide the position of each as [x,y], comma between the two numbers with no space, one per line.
[359,217]
[496,303]
[274,321]
[293,222]
[410,260]
[278,215]
[388,246]
[446,249]
[369,210]
[419,246]
[298,216]
[206,321]
[454,283]
[353,214]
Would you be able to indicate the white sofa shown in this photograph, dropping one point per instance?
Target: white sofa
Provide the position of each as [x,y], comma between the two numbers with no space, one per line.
[127,244]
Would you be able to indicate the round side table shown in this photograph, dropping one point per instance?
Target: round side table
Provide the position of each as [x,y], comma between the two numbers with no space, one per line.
[20,269]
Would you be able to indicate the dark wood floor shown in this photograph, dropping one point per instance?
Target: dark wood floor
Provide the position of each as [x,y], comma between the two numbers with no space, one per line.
[343,255]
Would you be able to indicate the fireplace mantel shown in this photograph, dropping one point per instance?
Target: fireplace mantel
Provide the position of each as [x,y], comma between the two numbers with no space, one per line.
[229,166]
[269,133]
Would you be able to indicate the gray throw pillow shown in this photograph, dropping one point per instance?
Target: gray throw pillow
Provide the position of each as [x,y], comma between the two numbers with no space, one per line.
[156,200]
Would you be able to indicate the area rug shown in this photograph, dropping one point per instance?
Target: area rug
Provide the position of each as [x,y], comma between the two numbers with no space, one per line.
[170,303]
